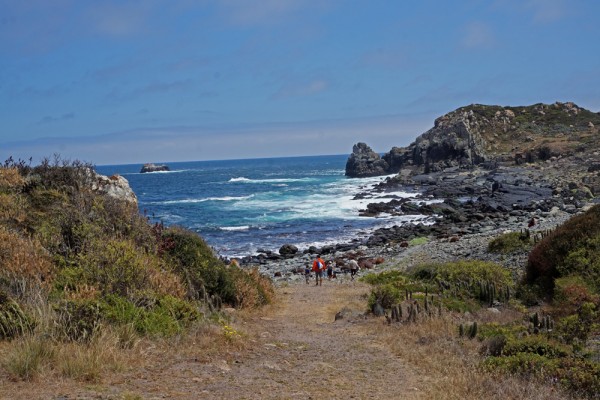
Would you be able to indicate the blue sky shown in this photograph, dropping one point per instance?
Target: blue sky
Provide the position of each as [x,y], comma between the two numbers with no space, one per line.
[136,81]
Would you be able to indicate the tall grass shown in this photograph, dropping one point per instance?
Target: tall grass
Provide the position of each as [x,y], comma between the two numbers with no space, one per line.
[27,356]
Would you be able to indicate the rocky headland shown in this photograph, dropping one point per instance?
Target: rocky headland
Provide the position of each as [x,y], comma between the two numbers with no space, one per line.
[480,171]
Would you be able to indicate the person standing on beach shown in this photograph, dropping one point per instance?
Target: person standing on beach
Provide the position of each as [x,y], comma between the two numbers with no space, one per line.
[330,265]
[307,272]
[353,268]
[318,267]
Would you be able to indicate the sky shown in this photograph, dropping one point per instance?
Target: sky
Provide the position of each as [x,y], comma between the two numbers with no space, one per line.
[119,82]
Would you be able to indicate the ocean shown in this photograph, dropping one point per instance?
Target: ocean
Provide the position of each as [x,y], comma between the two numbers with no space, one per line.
[241,207]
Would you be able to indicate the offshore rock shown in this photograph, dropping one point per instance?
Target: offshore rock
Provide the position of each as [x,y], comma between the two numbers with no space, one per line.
[154,168]
[364,162]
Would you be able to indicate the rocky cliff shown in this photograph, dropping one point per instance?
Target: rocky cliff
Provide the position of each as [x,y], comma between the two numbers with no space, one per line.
[477,134]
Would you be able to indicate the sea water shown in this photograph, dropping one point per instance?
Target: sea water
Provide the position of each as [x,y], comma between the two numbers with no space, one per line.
[243,206]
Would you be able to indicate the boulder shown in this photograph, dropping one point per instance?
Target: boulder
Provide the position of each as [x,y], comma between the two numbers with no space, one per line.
[364,162]
[288,250]
[114,186]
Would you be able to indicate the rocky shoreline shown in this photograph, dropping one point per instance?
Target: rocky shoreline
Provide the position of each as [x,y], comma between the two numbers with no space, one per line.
[467,208]
[480,171]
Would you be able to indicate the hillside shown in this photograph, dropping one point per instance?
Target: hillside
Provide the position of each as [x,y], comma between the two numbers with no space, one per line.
[78,262]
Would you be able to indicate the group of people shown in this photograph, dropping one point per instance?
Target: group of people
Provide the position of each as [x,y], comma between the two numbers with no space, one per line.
[319,267]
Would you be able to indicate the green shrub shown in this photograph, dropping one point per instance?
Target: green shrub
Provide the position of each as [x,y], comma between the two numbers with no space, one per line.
[510,243]
[116,266]
[164,316]
[393,276]
[564,252]
[474,271]
[579,376]
[466,279]
[535,344]
[576,328]
[197,264]
[460,305]
[494,329]
[525,364]
[203,271]
[386,295]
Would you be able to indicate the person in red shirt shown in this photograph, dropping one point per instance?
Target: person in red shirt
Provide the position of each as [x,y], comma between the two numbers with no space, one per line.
[318,268]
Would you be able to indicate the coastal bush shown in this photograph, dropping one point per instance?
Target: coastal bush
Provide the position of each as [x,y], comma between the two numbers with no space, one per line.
[197,264]
[392,276]
[535,344]
[525,364]
[386,295]
[573,248]
[576,328]
[570,293]
[509,243]
[203,272]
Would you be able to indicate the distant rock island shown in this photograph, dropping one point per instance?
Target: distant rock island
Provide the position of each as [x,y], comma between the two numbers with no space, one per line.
[154,168]
[479,134]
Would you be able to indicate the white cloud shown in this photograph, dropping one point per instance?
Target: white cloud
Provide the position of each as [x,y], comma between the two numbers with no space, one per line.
[478,35]
[263,12]
[121,19]
[306,88]
[546,11]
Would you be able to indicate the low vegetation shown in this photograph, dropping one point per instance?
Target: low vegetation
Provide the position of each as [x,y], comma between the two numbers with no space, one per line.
[544,329]
[83,274]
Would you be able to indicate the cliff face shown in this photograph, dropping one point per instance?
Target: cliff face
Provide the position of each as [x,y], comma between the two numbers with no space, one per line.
[476,134]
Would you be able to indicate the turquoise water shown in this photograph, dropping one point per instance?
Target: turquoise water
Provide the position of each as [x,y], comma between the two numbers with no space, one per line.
[241,206]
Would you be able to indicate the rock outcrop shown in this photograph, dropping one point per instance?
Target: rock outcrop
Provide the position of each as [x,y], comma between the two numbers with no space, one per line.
[114,186]
[154,168]
[480,134]
[364,162]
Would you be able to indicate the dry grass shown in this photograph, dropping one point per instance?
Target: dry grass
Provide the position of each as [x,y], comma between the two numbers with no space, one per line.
[36,356]
[11,179]
[451,364]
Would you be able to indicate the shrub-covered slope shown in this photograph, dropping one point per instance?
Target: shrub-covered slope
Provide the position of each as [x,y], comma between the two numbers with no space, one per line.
[91,259]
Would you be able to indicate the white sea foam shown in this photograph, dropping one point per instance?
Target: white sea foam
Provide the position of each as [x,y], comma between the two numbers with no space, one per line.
[235,228]
[191,201]
[273,180]
[240,179]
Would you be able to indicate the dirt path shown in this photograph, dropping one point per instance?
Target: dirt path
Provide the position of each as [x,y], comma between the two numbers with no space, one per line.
[297,351]
[304,354]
